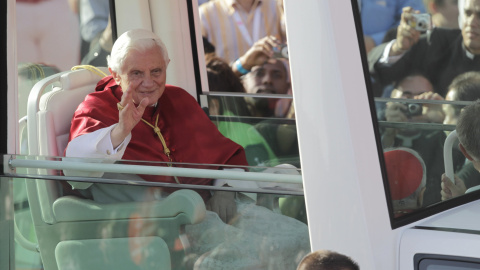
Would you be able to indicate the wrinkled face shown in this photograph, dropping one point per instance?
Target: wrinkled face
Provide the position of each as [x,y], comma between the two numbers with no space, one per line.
[471,26]
[271,78]
[145,73]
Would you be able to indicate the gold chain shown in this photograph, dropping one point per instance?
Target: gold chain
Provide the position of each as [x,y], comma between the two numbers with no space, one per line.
[157,131]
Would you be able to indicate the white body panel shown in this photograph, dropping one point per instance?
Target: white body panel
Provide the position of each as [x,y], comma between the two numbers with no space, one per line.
[346,205]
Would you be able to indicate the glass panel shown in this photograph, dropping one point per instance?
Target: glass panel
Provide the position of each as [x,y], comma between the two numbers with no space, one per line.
[419,91]
[152,226]
[250,97]
[86,39]
[431,264]
[409,125]
[268,141]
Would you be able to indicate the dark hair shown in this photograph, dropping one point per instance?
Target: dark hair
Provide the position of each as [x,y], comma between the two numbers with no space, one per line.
[222,79]
[207,46]
[468,129]
[467,86]
[327,260]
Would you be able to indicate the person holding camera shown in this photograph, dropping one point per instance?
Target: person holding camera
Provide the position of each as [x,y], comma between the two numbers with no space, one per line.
[440,54]
[378,17]
[234,26]
[428,143]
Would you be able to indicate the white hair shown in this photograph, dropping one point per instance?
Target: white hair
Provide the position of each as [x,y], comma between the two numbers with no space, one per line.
[136,39]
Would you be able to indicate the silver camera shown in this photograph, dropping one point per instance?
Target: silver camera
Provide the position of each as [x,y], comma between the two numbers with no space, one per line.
[421,22]
[280,51]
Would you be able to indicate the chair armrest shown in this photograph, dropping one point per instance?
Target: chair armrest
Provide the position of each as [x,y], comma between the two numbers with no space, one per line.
[189,202]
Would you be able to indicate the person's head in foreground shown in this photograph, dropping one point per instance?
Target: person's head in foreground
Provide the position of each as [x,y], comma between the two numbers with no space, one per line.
[407,179]
[327,260]
[139,61]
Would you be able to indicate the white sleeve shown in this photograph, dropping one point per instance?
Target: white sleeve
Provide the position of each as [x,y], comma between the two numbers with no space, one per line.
[95,145]
[386,59]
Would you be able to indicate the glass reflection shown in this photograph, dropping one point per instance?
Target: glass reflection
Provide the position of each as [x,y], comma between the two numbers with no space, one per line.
[175,229]
[421,79]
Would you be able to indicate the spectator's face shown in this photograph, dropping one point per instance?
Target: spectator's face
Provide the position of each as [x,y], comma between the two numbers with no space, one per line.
[412,86]
[471,26]
[408,88]
[271,78]
[145,73]
[450,115]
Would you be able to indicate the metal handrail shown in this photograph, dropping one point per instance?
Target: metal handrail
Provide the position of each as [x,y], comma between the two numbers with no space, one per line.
[156,170]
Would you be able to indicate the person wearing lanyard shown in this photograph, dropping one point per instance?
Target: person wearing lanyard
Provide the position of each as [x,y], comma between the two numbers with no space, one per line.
[234,26]
[47,33]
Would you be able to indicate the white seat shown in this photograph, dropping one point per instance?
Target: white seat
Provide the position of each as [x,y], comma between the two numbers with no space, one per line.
[59,220]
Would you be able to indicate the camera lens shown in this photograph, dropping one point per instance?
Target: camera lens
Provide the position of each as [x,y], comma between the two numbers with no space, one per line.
[414,109]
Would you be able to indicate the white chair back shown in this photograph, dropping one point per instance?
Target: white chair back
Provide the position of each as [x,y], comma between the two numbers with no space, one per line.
[48,127]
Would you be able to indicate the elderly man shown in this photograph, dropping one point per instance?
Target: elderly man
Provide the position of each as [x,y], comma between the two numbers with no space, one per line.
[441,54]
[134,115]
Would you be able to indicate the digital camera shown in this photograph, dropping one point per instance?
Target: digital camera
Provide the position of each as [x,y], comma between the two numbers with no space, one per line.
[422,22]
[280,51]
[413,109]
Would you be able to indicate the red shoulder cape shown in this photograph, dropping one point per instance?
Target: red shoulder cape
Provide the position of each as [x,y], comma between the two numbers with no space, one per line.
[188,132]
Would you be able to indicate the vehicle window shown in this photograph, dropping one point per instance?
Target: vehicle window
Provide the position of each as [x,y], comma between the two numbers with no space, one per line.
[249,96]
[422,74]
[63,221]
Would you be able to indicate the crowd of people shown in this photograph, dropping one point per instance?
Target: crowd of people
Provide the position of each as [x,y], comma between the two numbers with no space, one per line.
[430,70]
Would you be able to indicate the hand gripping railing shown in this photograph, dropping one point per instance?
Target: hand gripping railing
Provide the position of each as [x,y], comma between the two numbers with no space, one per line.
[447,155]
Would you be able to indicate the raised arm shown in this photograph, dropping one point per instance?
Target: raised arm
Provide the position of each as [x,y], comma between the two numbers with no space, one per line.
[407,36]
[129,115]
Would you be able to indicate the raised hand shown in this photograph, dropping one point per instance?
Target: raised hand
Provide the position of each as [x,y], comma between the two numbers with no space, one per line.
[433,113]
[129,115]
[260,52]
[407,36]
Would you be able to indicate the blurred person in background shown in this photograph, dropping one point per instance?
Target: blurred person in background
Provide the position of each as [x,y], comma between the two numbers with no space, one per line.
[234,26]
[428,143]
[441,54]
[47,33]
[444,13]
[380,16]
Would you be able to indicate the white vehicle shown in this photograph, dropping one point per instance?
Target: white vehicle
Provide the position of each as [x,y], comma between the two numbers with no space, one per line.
[340,188]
